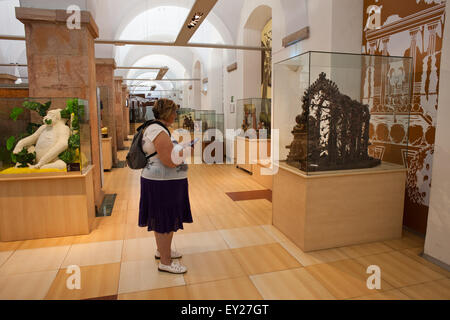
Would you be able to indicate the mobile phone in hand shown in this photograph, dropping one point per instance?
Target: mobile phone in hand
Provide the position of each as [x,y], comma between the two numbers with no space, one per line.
[194,142]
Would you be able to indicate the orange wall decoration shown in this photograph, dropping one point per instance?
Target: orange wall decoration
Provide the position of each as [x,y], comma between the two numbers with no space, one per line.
[409,28]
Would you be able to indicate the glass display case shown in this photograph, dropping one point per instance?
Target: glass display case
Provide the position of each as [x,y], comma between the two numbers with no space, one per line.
[185,119]
[44,135]
[208,119]
[254,113]
[220,124]
[338,111]
[105,99]
[141,110]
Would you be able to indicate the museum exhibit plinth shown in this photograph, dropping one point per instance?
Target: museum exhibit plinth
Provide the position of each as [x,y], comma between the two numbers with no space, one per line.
[46,205]
[339,208]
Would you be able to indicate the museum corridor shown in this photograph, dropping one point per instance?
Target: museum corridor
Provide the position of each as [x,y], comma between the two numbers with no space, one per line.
[232,252]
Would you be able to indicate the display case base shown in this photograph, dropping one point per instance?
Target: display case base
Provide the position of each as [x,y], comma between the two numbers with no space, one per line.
[332,209]
[46,205]
[265,180]
[107,153]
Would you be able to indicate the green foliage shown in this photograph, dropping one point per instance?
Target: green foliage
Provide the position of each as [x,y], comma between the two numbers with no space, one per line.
[24,158]
[74,141]
[10,143]
[40,108]
[32,127]
[48,122]
[72,107]
[5,158]
[68,156]
[15,113]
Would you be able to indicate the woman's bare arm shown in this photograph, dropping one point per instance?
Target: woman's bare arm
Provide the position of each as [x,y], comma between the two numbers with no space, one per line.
[164,147]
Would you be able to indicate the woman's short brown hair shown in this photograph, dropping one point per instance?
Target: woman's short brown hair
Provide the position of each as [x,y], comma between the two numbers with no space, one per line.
[163,108]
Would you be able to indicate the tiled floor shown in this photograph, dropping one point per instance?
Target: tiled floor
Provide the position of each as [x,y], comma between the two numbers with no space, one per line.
[232,252]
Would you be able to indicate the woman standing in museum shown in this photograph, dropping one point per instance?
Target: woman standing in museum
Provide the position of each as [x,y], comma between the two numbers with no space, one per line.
[164,204]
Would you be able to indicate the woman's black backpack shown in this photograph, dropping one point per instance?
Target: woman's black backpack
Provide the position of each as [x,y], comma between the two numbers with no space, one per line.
[136,157]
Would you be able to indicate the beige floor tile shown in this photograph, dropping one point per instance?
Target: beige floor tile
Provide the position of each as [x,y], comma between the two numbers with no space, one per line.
[366,249]
[34,260]
[407,241]
[229,289]
[117,218]
[173,293]
[133,231]
[399,270]
[435,290]
[314,257]
[132,218]
[199,242]
[265,258]
[103,233]
[415,253]
[246,237]
[294,284]
[133,205]
[386,295]
[88,254]
[96,281]
[26,286]
[45,243]
[344,279]
[258,211]
[200,224]
[4,255]
[140,249]
[211,266]
[275,233]
[144,275]
[120,205]
[9,246]
[230,221]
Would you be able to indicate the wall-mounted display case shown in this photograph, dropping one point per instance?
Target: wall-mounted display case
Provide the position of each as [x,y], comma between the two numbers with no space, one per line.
[342,111]
[254,113]
[44,135]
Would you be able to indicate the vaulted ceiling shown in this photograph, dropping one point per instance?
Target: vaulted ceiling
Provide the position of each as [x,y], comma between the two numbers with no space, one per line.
[144,20]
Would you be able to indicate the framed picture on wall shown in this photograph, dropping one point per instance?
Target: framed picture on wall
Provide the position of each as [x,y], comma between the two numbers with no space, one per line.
[232,107]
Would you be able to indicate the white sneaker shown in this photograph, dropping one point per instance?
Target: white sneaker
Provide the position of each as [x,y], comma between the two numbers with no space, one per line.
[175,267]
[173,254]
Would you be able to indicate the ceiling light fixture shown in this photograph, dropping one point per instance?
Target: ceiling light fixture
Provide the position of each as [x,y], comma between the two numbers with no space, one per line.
[195,20]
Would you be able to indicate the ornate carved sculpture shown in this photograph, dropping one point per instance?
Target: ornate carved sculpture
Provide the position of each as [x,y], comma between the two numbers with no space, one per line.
[332,132]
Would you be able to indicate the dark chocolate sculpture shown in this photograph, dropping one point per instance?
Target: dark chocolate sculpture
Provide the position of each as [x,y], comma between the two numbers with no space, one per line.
[332,132]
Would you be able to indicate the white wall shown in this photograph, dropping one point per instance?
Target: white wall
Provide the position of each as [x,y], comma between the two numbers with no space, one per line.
[437,242]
